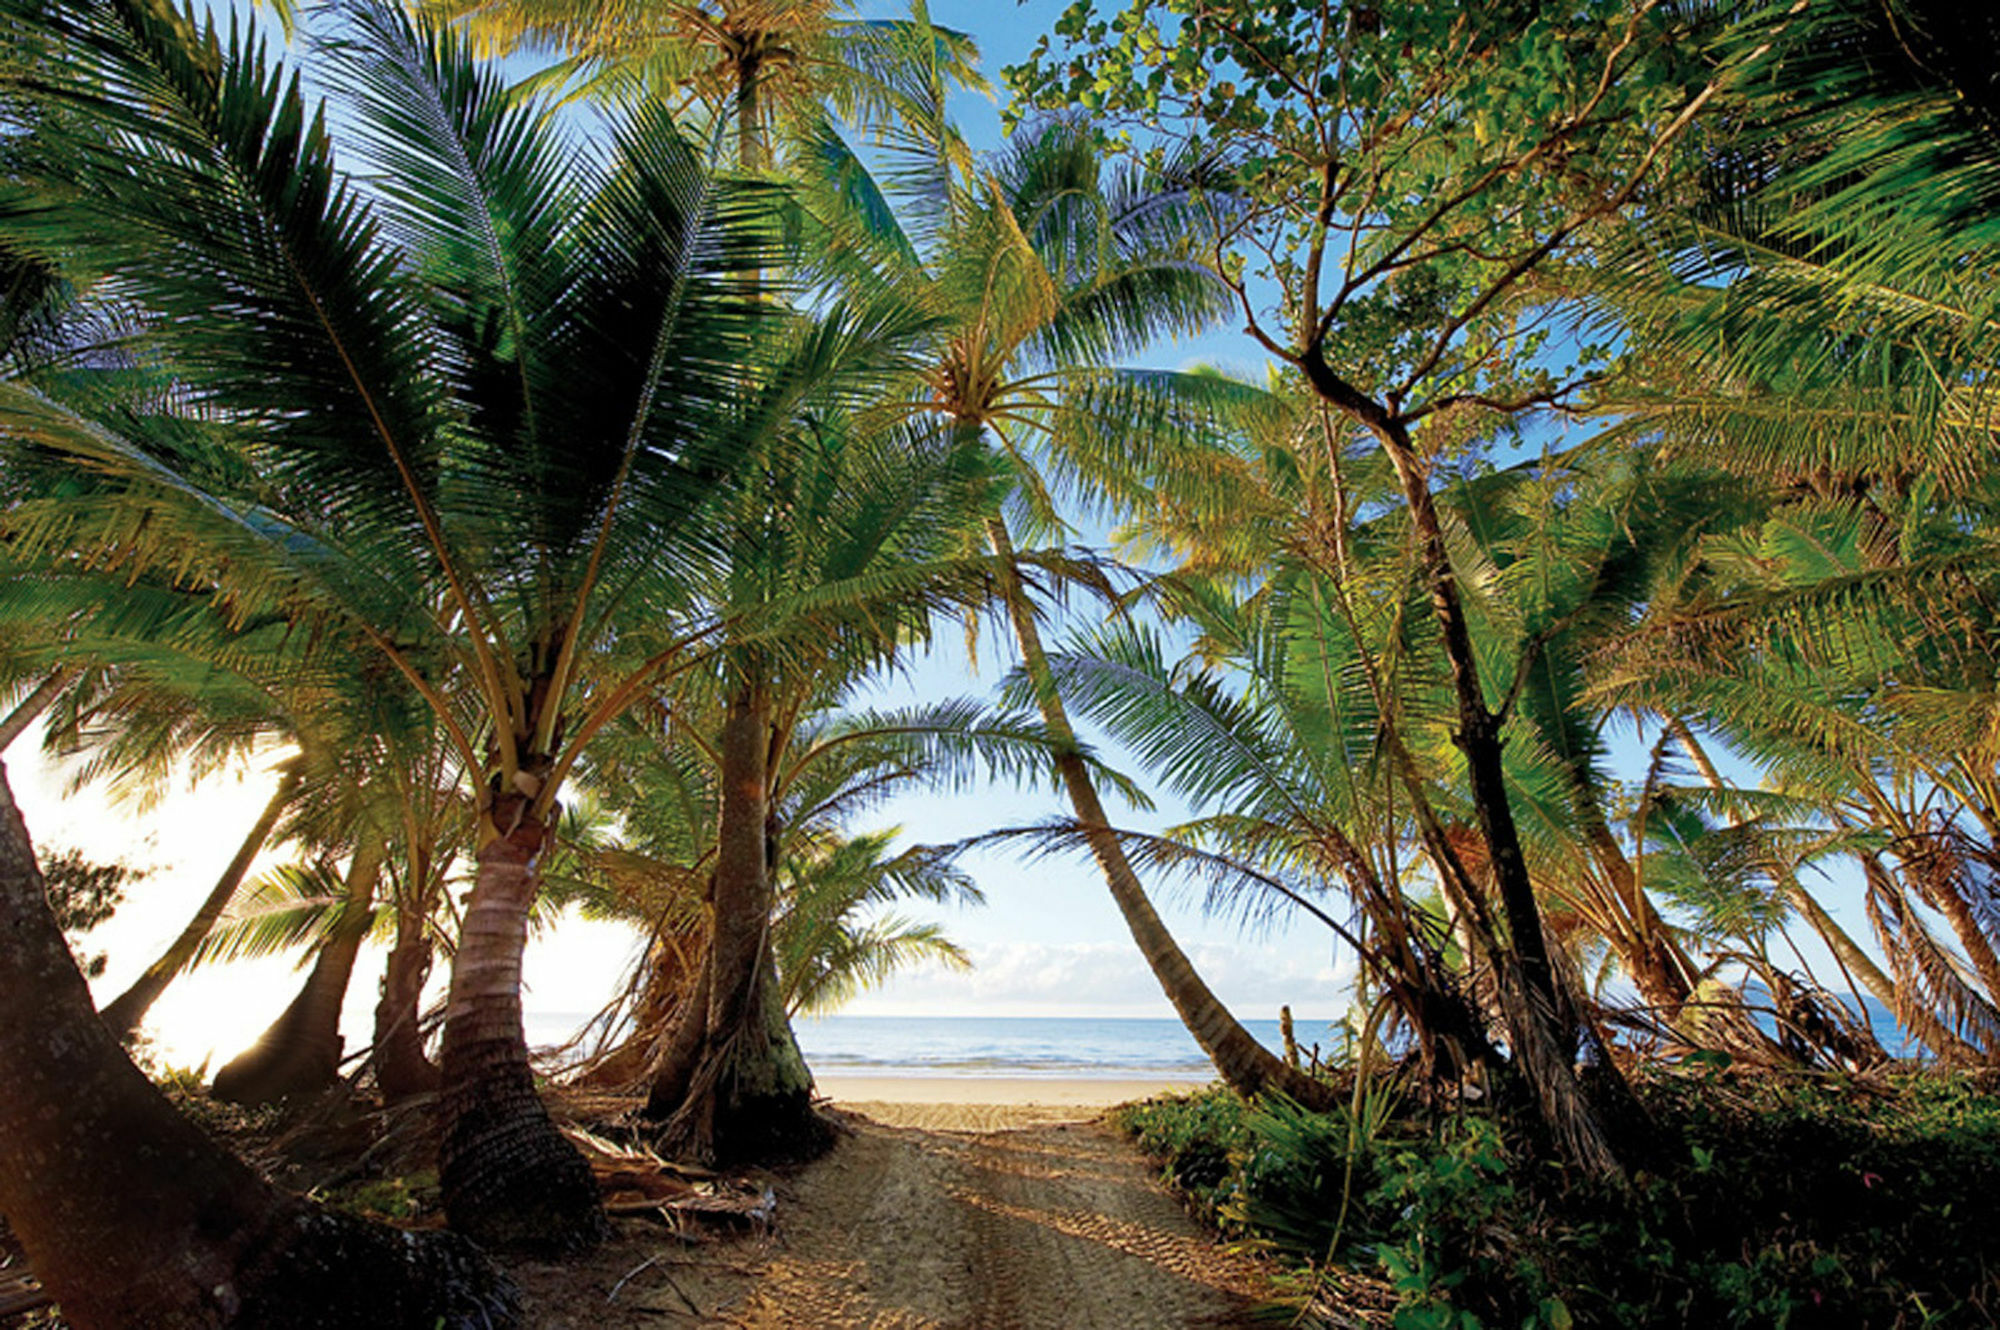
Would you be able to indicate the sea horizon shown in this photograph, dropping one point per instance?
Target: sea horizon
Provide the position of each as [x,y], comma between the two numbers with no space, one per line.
[1026,1047]
[858,1045]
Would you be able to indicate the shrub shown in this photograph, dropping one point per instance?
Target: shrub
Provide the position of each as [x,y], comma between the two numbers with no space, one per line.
[1753,1201]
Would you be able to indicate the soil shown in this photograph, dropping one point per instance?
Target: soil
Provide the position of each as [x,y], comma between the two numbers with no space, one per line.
[1043,1226]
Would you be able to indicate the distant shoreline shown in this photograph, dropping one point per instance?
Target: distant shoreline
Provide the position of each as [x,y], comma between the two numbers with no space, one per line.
[1067,1092]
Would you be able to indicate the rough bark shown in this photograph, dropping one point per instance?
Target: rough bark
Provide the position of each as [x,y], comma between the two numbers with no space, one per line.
[131,1216]
[299,1054]
[745,1092]
[508,1177]
[1244,1064]
[128,1009]
[1542,1026]
[402,1069]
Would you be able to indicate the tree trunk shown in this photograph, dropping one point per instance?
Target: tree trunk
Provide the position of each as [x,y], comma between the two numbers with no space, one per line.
[402,1069]
[1245,1065]
[30,708]
[1541,1018]
[1644,946]
[128,1009]
[745,1093]
[509,1178]
[131,1216]
[300,1054]
[666,989]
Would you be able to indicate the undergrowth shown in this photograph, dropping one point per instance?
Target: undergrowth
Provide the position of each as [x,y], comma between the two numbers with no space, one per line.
[1807,1201]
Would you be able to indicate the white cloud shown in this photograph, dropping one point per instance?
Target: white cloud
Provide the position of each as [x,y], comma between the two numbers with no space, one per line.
[1109,979]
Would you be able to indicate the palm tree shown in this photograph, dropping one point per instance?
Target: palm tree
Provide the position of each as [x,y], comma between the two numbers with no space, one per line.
[1821,327]
[131,1215]
[653,874]
[777,67]
[1046,267]
[487,403]
[837,559]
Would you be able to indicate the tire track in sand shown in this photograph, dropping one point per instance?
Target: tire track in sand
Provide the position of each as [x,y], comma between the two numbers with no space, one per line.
[1045,1228]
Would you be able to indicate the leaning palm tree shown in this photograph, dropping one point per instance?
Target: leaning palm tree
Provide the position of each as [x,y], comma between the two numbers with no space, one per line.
[1048,265]
[467,414]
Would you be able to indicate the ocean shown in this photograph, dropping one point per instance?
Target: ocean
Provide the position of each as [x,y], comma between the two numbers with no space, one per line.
[1051,1047]
[1042,1047]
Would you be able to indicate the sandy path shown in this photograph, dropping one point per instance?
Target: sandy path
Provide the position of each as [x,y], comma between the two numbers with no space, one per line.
[1055,1226]
[1044,1227]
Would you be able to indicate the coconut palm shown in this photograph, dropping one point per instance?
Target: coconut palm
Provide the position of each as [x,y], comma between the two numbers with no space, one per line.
[131,1215]
[776,68]
[835,562]
[469,416]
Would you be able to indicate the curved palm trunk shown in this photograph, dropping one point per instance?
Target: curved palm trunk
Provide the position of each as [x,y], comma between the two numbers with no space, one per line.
[1244,1064]
[1645,947]
[508,1177]
[402,1069]
[132,1216]
[742,1090]
[300,1054]
[30,708]
[128,1009]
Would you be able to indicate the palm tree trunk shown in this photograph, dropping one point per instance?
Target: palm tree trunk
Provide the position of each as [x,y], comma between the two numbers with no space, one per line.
[509,1178]
[1644,946]
[300,1054]
[129,1008]
[1245,1065]
[132,1216]
[747,1093]
[402,1069]
[30,708]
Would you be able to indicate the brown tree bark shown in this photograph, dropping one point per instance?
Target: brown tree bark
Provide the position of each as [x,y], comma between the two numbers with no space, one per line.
[1244,1064]
[131,1216]
[509,1178]
[402,1069]
[673,967]
[1542,1025]
[299,1054]
[30,708]
[128,1009]
[742,1091]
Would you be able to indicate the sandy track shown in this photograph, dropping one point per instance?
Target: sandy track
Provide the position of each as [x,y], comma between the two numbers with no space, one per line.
[1048,1227]
[1057,1226]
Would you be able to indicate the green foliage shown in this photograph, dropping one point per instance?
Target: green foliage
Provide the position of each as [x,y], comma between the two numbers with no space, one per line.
[396,1199]
[1816,1201]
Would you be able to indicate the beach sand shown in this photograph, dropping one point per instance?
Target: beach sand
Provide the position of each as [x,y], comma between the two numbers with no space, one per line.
[985,1103]
[948,1204]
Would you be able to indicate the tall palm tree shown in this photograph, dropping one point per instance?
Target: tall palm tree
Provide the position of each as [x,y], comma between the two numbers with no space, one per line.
[776,68]
[488,400]
[836,560]
[1048,265]
[131,1215]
